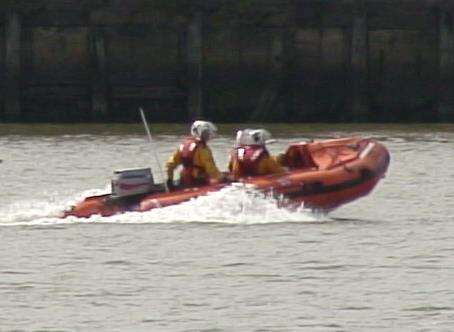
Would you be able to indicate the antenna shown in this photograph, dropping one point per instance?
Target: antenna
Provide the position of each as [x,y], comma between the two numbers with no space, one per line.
[147,129]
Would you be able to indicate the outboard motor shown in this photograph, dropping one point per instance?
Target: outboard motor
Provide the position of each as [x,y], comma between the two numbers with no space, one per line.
[129,182]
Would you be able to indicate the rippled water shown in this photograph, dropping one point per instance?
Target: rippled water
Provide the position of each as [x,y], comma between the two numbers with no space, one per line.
[230,261]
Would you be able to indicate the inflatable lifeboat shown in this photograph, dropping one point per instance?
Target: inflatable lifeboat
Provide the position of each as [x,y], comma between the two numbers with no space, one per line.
[322,175]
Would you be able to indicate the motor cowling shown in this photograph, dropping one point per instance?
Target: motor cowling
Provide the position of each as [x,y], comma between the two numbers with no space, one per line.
[130,182]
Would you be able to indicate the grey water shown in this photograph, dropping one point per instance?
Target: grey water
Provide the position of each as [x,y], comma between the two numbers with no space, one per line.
[229,261]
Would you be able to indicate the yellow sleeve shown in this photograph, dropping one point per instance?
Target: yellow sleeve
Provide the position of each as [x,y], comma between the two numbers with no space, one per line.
[207,162]
[272,167]
[173,163]
[281,159]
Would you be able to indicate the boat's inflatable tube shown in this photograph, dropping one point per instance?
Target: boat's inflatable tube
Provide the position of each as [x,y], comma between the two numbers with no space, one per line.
[321,175]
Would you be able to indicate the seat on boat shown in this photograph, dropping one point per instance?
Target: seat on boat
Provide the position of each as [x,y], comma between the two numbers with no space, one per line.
[322,155]
[329,154]
[298,156]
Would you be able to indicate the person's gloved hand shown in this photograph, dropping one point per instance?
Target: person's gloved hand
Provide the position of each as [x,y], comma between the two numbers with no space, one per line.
[170,184]
[213,181]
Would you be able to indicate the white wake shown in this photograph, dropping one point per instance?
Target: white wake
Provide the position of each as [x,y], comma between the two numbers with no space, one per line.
[237,204]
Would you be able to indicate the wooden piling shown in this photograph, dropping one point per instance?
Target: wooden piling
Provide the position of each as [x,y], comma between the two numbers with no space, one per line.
[13,30]
[359,65]
[446,59]
[268,102]
[99,80]
[195,61]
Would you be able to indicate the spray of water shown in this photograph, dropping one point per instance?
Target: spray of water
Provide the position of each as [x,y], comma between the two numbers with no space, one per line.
[238,204]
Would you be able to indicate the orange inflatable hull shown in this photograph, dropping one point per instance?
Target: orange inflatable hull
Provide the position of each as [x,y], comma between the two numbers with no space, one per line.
[321,175]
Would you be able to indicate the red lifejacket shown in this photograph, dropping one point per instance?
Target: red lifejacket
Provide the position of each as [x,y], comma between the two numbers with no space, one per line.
[187,152]
[248,158]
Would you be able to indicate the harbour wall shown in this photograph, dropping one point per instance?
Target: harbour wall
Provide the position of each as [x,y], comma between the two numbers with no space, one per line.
[229,61]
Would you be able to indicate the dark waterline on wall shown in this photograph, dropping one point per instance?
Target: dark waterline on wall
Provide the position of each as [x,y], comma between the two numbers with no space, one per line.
[284,130]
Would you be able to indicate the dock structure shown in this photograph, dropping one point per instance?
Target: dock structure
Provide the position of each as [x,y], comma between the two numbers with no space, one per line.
[359,63]
[229,61]
[195,61]
[12,65]
[99,73]
[446,37]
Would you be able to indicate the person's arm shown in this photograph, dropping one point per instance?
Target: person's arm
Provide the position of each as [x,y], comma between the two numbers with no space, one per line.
[272,166]
[207,162]
[173,163]
[281,159]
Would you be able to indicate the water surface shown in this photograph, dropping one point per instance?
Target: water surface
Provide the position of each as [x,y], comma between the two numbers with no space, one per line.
[230,261]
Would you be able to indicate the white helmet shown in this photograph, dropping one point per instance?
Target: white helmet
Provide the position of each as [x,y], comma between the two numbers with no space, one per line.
[243,137]
[252,137]
[203,130]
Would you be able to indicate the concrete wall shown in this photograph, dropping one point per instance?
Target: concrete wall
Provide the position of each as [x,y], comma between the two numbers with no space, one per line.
[274,60]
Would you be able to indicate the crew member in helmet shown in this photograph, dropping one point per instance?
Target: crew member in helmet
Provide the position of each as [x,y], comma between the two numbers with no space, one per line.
[196,158]
[250,156]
